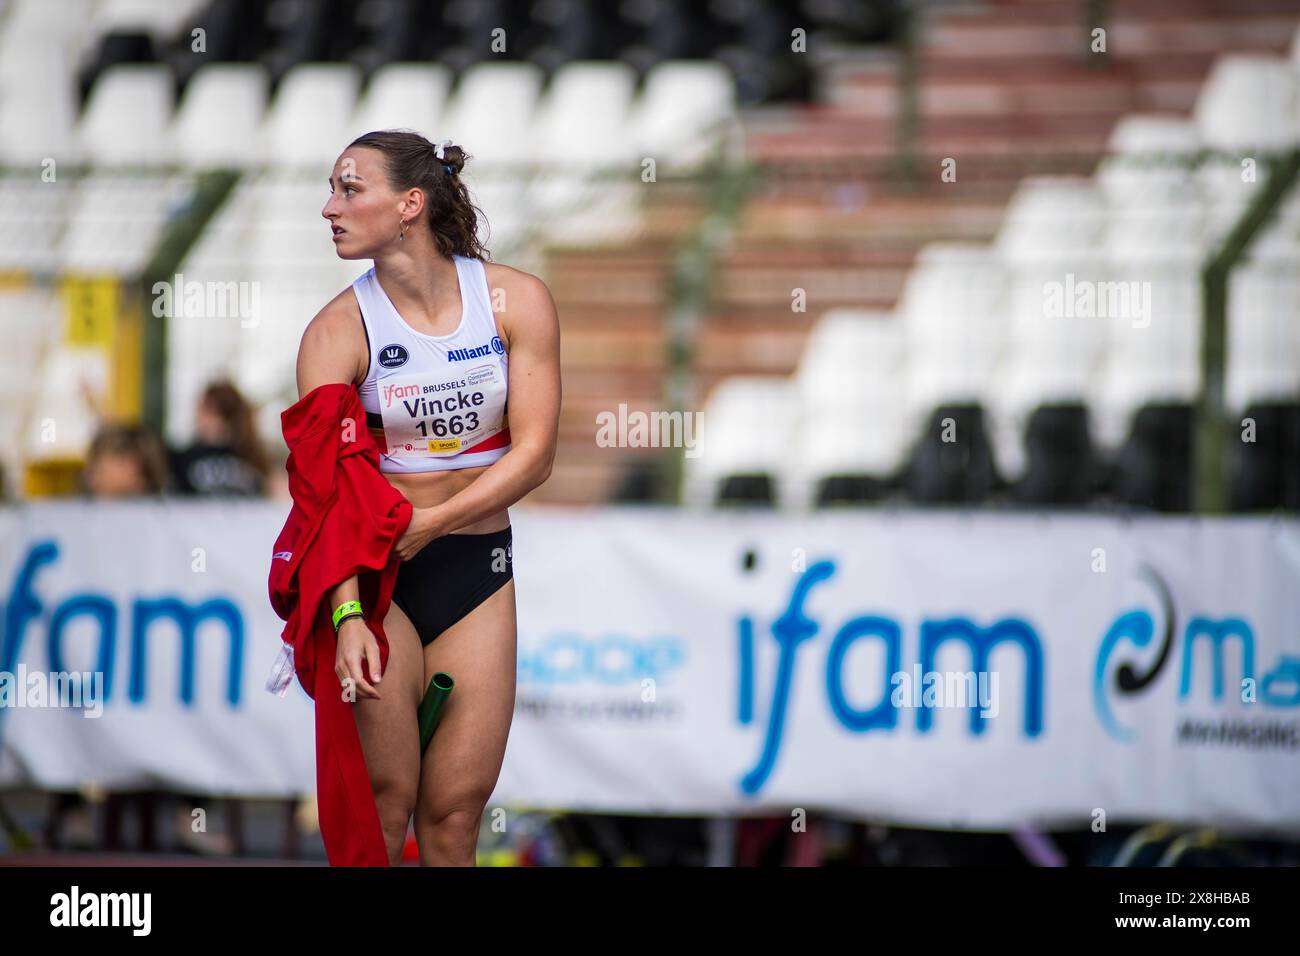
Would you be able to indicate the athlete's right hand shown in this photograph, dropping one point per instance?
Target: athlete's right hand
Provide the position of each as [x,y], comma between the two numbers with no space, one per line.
[357,644]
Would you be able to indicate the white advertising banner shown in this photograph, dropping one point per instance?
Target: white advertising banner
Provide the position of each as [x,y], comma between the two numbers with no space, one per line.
[948,669]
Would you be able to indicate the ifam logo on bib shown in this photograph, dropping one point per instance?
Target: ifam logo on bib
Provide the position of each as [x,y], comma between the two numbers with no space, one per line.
[391,356]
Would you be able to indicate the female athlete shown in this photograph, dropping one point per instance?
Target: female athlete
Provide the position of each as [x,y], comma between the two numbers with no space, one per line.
[436,339]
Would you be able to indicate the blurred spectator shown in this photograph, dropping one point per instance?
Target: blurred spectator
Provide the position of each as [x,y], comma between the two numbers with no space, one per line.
[226,457]
[125,461]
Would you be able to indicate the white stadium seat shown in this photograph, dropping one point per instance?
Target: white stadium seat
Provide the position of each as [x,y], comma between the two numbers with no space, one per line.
[126,119]
[218,122]
[404,95]
[310,117]
[1248,107]
[748,424]
[491,113]
[36,128]
[582,130]
[954,315]
[1156,233]
[1249,102]
[1050,243]
[848,381]
[683,101]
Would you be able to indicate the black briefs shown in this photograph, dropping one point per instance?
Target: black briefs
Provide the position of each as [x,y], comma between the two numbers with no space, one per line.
[449,577]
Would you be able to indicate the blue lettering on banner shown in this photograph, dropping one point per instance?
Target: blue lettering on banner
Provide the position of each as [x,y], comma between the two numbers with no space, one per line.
[24,606]
[567,658]
[1138,628]
[794,627]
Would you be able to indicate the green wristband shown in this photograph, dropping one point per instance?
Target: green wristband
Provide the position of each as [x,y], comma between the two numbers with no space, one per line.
[347,607]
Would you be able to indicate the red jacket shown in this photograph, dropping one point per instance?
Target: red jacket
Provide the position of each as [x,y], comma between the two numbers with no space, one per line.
[345,519]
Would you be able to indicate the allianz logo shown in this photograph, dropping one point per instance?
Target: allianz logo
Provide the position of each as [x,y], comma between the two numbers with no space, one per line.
[464,355]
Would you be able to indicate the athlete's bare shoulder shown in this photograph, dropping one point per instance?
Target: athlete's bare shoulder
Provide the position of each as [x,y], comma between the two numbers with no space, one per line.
[334,347]
[517,296]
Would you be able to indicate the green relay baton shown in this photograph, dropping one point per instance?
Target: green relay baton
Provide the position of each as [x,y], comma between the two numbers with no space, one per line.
[431,706]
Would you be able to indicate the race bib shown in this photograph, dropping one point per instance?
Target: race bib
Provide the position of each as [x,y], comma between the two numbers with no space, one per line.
[427,416]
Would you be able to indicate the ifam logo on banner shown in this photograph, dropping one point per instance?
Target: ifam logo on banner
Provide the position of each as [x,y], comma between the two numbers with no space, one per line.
[918,684]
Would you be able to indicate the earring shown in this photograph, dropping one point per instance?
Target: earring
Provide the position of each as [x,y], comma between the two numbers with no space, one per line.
[401,236]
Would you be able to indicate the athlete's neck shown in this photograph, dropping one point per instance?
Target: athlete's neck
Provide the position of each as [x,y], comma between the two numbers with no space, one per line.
[419,281]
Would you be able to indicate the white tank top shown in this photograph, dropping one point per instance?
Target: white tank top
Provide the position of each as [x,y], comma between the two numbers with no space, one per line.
[435,402]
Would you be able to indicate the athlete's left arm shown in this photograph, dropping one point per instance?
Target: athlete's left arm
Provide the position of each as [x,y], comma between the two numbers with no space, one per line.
[532,327]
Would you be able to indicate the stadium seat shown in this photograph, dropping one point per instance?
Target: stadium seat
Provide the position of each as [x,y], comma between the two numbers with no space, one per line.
[218,122]
[583,116]
[848,383]
[1059,464]
[680,111]
[747,489]
[1050,245]
[492,111]
[34,129]
[1155,235]
[126,119]
[310,117]
[745,440]
[960,471]
[404,95]
[583,119]
[1249,102]
[1266,470]
[1155,467]
[1246,111]
[954,316]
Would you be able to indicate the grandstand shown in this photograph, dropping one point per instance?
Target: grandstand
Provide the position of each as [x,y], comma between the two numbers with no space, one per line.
[847,260]
[971,254]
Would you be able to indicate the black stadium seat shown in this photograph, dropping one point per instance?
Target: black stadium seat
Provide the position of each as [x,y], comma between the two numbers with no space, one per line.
[755,489]
[850,490]
[641,482]
[953,472]
[1059,467]
[1154,468]
[1266,472]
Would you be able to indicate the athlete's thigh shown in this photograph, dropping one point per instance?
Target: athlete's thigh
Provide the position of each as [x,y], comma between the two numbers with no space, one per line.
[388,726]
[465,756]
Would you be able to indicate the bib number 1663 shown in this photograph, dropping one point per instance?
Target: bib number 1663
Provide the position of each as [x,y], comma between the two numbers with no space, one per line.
[453,425]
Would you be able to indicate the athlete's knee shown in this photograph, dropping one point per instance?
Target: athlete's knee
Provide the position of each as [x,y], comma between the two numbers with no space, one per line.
[395,801]
[451,826]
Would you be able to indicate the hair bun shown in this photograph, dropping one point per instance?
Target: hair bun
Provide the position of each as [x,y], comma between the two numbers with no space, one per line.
[452,157]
